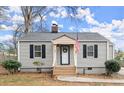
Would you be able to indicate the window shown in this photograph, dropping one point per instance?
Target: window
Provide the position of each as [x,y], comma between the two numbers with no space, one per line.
[37,51]
[90,50]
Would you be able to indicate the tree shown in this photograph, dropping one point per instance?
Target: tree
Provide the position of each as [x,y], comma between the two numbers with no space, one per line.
[8,48]
[16,34]
[2,50]
[120,57]
[2,14]
[31,12]
[1,47]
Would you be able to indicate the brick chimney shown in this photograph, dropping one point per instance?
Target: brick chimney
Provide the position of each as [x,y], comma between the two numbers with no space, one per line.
[54,28]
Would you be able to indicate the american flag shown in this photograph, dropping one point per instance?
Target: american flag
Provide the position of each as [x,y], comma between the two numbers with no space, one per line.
[77,45]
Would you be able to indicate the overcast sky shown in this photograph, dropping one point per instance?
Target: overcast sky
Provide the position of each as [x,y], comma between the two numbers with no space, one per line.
[108,21]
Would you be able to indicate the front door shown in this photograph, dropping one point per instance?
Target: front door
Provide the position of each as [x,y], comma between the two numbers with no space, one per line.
[65,54]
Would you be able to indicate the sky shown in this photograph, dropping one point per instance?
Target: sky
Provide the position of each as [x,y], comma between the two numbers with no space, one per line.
[105,20]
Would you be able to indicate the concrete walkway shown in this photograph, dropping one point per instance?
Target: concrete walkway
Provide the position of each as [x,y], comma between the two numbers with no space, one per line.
[121,72]
[81,79]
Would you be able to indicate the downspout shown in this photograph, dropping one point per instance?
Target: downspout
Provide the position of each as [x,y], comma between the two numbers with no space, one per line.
[18,53]
[107,50]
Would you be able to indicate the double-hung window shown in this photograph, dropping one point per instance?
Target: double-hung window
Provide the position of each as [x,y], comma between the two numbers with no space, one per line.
[90,50]
[37,51]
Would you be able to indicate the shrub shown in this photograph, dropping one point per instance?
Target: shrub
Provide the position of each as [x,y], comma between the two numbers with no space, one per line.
[11,65]
[112,66]
[38,64]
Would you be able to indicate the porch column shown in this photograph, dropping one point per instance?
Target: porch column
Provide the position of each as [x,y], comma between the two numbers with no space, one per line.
[75,56]
[54,54]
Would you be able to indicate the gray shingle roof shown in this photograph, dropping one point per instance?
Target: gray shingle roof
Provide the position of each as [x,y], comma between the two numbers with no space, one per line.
[48,36]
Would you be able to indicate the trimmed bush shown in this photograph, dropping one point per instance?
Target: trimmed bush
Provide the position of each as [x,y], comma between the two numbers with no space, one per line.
[38,64]
[112,66]
[11,65]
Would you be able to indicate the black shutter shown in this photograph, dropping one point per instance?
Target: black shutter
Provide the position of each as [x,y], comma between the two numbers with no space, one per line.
[31,51]
[43,51]
[95,51]
[84,51]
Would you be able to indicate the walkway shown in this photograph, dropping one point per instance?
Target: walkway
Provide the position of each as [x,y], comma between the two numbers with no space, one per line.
[81,79]
[121,72]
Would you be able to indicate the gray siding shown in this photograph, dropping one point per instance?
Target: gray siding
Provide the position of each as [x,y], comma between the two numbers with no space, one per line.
[25,59]
[97,64]
[110,51]
[91,61]
[93,71]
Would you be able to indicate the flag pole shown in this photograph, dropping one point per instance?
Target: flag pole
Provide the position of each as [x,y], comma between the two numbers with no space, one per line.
[77,34]
[76,51]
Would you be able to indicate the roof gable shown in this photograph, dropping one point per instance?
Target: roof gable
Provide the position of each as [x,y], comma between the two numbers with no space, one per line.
[63,36]
[64,39]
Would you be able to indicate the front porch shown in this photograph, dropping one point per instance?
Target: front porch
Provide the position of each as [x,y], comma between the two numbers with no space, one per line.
[64,56]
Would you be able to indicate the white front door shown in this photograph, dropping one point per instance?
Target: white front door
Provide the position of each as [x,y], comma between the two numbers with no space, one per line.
[65,55]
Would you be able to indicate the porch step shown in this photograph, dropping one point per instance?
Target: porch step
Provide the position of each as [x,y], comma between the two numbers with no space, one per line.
[3,71]
[64,71]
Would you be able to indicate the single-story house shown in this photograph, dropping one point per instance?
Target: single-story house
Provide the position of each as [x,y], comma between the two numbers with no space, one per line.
[58,50]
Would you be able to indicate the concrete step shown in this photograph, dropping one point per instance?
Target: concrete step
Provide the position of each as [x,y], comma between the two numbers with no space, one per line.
[64,71]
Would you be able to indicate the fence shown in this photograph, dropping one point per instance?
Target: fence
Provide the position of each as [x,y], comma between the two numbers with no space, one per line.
[5,56]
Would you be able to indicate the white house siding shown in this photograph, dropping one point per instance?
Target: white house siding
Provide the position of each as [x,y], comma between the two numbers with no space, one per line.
[25,59]
[111,52]
[97,64]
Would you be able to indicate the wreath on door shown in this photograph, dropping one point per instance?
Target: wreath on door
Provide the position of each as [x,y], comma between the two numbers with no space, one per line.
[65,49]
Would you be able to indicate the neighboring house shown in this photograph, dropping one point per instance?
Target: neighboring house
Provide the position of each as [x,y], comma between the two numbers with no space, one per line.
[57,49]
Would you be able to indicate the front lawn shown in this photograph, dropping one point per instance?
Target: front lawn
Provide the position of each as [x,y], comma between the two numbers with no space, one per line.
[43,79]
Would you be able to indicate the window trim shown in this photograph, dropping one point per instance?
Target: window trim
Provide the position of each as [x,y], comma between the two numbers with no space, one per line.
[37,51]
[90,51]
